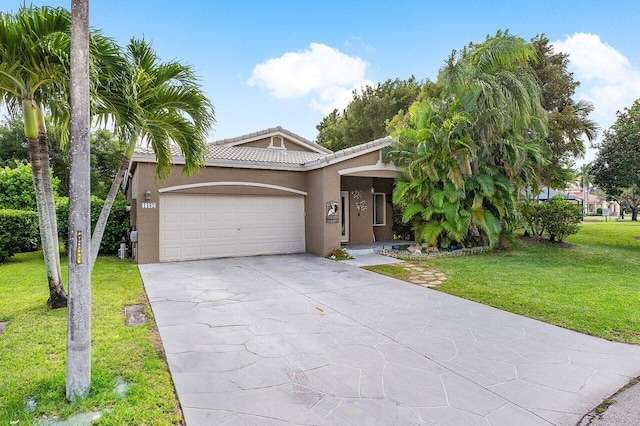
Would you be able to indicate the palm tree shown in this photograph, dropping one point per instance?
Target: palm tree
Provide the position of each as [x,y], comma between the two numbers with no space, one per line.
[584,176]
[158,104]
[33,74]
[78,378]
[496,86]
[34,78]
[467,154]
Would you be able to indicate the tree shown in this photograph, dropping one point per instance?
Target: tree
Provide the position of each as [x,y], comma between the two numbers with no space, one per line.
[616,168]
[568,120]
[163,105]
[584,177]
[13,146]
[79,314]
[32,74]
[366,116]
[34,68]
[106,155]
[467,153]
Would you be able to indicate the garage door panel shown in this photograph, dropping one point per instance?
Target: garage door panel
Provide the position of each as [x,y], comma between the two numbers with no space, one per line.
[200,226]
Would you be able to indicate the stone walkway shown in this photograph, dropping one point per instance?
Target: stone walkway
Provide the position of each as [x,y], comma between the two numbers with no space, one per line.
[298,339]
[424,276]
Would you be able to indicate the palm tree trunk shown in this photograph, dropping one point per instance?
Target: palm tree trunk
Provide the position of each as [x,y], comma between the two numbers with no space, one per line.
[101,224]
[43,145]
[57,295]
[78,378]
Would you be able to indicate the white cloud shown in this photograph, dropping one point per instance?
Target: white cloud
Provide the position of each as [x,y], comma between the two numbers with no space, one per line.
[322,72]
[607,77]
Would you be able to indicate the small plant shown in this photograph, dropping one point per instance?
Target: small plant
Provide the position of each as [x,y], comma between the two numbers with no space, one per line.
[339,254]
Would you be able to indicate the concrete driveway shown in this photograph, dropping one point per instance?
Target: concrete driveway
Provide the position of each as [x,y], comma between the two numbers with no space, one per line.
[302,340]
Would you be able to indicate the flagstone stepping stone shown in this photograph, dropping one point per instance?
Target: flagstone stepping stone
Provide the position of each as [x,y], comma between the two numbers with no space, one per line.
[134,315]
[423,276]
[3,325]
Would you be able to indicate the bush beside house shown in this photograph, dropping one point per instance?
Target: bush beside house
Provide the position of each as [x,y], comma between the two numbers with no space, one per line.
[117,225]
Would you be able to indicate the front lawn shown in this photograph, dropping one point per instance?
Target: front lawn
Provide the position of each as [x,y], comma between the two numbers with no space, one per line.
[591,285]
[33,350]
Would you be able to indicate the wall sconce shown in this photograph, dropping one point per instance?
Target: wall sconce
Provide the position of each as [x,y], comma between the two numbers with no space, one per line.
[373,190]
[147,194]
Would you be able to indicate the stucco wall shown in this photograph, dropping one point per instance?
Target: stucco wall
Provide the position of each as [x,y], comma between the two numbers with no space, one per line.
[323,186]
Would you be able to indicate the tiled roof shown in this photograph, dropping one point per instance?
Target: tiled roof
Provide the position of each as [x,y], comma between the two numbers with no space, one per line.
[270,156]
[246,154]
[259,155]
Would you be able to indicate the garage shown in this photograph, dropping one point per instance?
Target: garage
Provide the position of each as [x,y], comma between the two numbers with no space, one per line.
[209,226]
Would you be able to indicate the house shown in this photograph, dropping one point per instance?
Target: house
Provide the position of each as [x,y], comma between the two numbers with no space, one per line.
[268,192]
[594,202]
[591,206]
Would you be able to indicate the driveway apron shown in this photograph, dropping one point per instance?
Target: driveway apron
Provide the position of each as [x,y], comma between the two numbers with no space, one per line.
[298,339]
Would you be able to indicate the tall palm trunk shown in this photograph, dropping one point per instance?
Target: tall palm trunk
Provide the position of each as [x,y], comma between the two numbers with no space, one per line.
[43,147]
[101,224]
[57,295]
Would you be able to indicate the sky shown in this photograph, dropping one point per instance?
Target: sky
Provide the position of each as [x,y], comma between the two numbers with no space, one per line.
[289,63]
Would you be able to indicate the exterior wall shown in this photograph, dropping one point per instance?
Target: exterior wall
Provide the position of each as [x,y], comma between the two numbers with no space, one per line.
[385,233]
[323,187]
[146,218]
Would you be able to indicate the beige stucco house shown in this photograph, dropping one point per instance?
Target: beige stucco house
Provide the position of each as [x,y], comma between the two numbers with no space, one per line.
[269,192]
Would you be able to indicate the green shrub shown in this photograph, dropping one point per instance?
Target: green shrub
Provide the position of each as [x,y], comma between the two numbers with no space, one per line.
[117,225]
[557,217]
[16,188]
[562,218]
[599,211]
[18,232]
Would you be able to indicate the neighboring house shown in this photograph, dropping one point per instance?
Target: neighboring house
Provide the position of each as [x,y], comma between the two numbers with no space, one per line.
[269,192]
[576,196]
[594,203]
[547,193]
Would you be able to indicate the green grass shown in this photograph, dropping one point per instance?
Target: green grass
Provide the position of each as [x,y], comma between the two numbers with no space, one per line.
[33,349]
[591,285]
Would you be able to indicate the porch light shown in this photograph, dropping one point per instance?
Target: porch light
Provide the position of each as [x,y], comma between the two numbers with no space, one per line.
[147,194]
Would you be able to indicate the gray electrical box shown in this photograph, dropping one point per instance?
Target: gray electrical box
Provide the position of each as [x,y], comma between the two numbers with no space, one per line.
[134,236]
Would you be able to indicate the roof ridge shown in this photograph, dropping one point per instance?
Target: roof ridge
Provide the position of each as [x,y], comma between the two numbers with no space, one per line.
[355,149]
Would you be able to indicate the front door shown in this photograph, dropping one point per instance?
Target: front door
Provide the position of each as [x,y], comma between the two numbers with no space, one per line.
[344,215]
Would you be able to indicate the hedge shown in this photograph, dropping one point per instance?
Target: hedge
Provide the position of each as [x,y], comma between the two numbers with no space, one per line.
[18,232]
[117,225]
[16,188]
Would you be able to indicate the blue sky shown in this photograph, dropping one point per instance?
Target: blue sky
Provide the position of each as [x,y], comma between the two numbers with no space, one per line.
[270,63]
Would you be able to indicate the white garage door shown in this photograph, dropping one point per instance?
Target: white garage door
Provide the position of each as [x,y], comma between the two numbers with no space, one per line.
[207,226]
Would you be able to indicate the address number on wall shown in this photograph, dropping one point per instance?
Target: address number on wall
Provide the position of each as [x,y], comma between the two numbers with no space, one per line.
[148,205]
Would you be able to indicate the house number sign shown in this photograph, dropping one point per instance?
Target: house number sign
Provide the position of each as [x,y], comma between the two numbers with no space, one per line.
[148,205]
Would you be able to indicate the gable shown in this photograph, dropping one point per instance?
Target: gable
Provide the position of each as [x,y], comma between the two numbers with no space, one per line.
[274,138]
